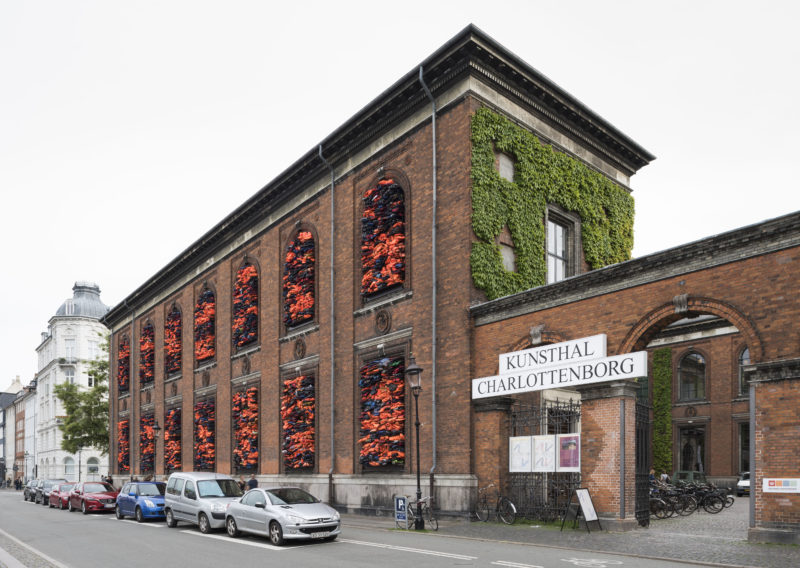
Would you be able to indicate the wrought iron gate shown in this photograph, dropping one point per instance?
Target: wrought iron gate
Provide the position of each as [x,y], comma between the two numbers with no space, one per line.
[543,496]
[642,463]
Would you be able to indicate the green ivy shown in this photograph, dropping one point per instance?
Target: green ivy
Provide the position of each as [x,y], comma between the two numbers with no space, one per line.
[542,176]
[662,410]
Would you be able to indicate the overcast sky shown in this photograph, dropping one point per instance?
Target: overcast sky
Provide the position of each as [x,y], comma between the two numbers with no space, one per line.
[128,129]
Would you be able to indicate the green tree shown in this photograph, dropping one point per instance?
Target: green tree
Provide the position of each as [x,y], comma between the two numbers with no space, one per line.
[86,421]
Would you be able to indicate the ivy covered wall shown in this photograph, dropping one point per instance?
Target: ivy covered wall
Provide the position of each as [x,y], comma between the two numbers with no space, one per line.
[542,176]
[662,410]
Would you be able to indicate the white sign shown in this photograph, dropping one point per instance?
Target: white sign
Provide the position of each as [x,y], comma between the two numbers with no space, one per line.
[519,454]
[773,485]
[570,375]
[544,453]
[554,355]
[587,507]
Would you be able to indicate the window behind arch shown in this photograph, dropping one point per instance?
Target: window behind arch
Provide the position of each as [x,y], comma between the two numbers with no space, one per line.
[383,227]
[298,280]
[205,446]
[172,440]
[245,306]
[205,326]
[692,377]
[244,416]
[147,355]
[298,407]
[172,341]
[124,365]
[744,359]
[382,424]
[147,439]
[123,446]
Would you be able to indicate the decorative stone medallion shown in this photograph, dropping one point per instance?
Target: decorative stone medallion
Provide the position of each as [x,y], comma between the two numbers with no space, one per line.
[299,348]
[383,322]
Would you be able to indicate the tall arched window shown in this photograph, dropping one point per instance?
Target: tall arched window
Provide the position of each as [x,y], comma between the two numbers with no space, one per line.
[205,326]
[69,469]
[123,447]
[245,306]
[383,228]
[245,429]
[692,377]
[172,341]
[147,355]
[383,413]
[744,359]
[205,446]
[147,443]
[298,280]
[172,440]
[124,365]
[297,420]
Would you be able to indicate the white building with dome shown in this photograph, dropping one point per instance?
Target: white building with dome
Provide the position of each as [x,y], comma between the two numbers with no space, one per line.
[73,338]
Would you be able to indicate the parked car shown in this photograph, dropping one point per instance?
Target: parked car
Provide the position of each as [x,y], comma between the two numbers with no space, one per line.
[743,485]
[199,498]
[29,492]
[92,496]
[282,513]
[141,500]
[59,495]
[44,488]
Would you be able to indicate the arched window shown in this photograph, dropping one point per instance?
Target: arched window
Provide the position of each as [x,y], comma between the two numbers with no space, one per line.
[123,447]
[298,280]
[172,341]
[69,467]
[124,365]
[297,420]
[383,228]
[744,359]
[147,355]
[172,440]
[205,326]
[245,306]
[245,430]
[692,377]
[205,447]
[93,467]
[382,428]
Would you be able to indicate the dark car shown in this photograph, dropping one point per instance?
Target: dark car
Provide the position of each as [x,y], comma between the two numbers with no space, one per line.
[44,488]
[59,495]
[29,493]
[141,500]
[92,497]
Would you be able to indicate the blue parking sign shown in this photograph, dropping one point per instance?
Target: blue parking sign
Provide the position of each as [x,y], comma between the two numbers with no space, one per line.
[400,510]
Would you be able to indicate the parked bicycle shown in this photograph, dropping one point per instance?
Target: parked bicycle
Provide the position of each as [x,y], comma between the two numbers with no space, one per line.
[422,507]
[503,509]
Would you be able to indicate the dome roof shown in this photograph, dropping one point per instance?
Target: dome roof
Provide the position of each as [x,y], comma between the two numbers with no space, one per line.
[85,302]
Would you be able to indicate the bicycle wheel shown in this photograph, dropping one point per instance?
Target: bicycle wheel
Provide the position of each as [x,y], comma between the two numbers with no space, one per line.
[713,504]
[482,509]
[688,505]
[728,501]
[658,508]
[506,511]
[430,518]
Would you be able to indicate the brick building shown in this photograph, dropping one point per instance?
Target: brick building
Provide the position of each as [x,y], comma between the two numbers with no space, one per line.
[276,343]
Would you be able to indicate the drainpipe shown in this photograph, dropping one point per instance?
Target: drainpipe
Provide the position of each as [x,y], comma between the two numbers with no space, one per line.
[433,276]
[333,330]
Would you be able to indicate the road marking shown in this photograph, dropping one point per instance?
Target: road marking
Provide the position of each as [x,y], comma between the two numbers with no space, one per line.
[151,525]
[592,562]
[515,564]
[237,541]
[407,549]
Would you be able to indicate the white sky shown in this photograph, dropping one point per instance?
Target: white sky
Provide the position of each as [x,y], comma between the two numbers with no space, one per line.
[128,129]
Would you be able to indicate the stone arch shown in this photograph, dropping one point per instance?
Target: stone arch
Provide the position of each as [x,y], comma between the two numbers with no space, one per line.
[651,324]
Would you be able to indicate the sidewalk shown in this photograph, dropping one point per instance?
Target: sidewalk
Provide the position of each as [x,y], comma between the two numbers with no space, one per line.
[719,539]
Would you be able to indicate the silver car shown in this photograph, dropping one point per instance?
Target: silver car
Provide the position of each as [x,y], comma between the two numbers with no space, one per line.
[282,513]
[199,498]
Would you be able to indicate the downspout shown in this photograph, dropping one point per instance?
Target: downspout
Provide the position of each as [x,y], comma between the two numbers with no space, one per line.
[333,332]
[433,276]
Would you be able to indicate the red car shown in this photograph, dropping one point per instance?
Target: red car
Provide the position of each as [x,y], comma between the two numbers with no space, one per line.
[92,496]
[59,495]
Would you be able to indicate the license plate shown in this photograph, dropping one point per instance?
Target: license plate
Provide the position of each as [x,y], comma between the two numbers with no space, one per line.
[320,534]
[109,505]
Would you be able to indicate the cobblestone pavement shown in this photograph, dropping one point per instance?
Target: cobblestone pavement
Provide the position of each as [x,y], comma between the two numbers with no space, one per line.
[704,538]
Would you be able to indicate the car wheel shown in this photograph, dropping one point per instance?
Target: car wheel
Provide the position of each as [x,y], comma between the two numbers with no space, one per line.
[118,512]
[230,527]
[139,515]
[84,510]
[70,508]
[171,522]
[203,524]
[275,533]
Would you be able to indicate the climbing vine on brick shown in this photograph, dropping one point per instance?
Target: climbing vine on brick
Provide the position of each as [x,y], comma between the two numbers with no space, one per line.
[662,410]
[542,176]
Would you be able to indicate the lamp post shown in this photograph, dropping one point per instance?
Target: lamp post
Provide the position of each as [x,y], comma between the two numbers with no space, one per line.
[413,374]
[156,430]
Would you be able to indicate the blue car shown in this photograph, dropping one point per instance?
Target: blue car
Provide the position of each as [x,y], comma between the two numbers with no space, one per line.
[142,500]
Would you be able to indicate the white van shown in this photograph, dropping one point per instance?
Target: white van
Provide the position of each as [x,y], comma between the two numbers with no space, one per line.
[199,498]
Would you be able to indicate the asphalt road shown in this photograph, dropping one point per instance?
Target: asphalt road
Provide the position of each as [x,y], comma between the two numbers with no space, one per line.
[38,537]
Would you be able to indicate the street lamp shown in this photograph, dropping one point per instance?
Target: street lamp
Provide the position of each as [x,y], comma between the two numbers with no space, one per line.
[156,430]
[413,375]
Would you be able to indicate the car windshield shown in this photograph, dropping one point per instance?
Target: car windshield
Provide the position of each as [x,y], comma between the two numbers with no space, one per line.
[218,488]
[290,496]
[96,487]
[65,488]
[151,489]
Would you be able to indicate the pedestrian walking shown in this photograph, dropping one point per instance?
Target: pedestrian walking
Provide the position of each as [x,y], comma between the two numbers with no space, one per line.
[252,483]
